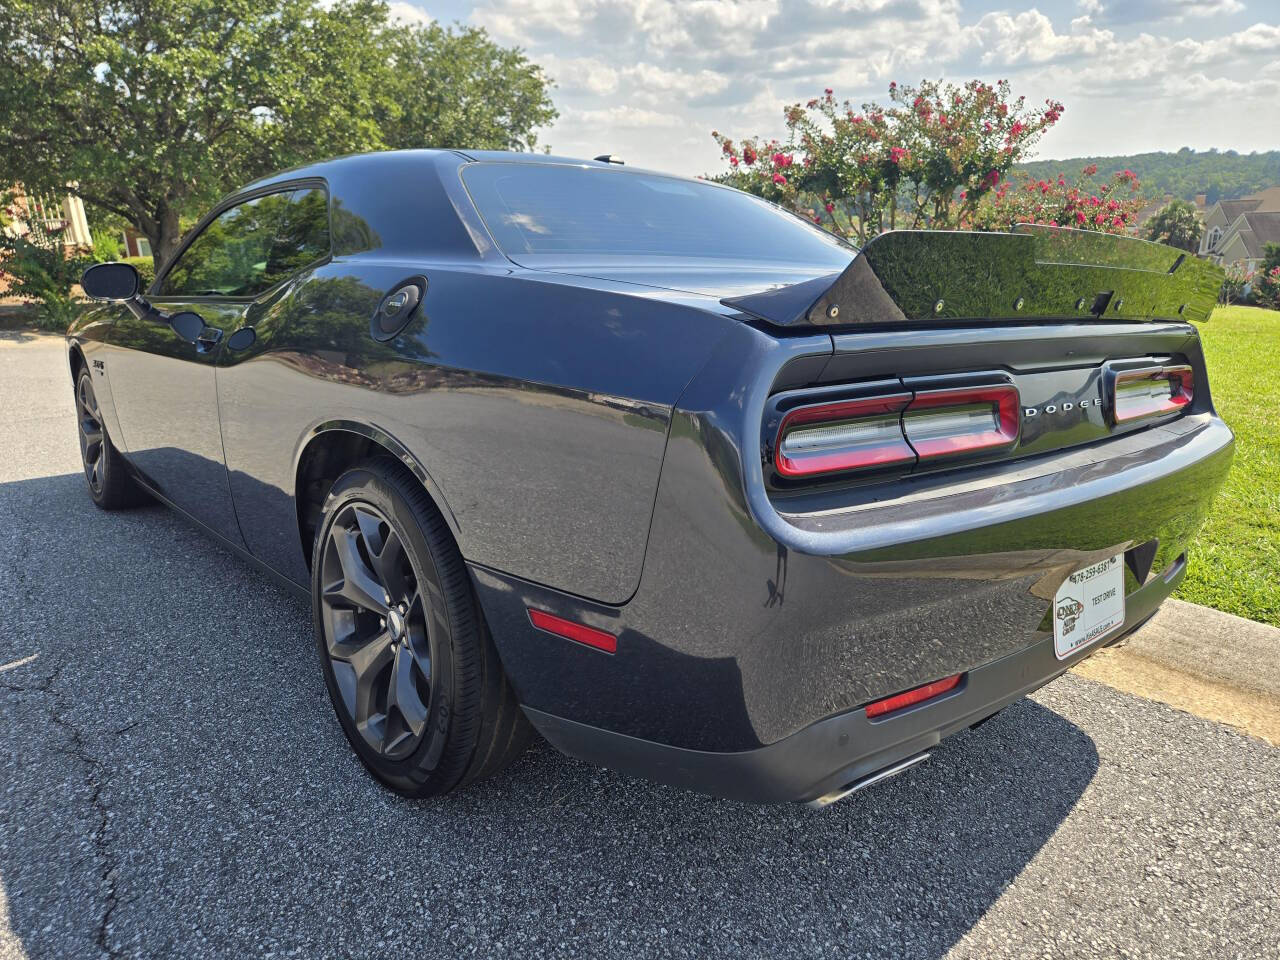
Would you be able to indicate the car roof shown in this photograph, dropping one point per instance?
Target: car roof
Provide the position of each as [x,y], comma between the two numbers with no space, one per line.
[373,160]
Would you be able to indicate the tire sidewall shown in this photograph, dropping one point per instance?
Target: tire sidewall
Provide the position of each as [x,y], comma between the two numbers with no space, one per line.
[412,773]
[98,496]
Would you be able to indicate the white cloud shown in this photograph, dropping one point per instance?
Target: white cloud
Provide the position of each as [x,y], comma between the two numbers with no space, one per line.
[649,79]
[408,12]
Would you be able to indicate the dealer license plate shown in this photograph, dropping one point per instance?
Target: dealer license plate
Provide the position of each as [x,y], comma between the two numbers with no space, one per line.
[1089,605]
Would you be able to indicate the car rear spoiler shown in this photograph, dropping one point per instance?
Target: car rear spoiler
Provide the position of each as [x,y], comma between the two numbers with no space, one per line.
[1035,273]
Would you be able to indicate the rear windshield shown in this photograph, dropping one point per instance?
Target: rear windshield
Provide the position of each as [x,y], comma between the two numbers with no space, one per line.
[544,209]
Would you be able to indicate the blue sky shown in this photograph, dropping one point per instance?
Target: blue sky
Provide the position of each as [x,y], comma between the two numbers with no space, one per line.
[649,79]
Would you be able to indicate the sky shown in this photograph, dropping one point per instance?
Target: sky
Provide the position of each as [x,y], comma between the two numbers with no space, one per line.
[648,80]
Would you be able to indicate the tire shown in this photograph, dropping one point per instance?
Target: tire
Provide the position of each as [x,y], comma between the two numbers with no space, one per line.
[415,681]
[110,485]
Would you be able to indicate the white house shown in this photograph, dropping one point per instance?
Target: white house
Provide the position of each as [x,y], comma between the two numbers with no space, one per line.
[1238,231]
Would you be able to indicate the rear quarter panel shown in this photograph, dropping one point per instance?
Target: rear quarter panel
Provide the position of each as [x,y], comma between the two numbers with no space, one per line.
[539,410]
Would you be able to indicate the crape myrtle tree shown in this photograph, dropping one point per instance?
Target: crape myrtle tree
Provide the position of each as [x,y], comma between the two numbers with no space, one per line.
[151,109]
[927,160]
[939,156]
[1082,203]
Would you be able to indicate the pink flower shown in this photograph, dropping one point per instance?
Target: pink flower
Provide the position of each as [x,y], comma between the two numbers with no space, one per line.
[1117,221]
[1090,170]
[748,156]
[1100,219]
[1080,217]
[964,194]
[733,161]
[830,207]
[897,154]
[779,179]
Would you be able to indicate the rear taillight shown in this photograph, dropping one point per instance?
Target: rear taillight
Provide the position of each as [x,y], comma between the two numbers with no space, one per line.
[945,423]
[842,435]
[896,430]
[1150,392]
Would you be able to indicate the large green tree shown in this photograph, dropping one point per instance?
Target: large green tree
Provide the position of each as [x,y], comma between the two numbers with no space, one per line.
[1176,223]
[150,109]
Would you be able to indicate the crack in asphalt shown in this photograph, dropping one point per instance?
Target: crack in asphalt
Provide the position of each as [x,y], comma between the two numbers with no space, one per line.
[95,780]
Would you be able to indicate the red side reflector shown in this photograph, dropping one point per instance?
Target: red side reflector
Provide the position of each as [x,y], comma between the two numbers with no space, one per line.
[576,632]
[965,420]
[918,695]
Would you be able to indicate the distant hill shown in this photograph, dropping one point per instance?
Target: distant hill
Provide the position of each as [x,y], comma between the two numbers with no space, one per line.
[1220,175]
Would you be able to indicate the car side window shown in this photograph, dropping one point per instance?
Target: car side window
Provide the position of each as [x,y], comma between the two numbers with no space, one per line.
[253,246]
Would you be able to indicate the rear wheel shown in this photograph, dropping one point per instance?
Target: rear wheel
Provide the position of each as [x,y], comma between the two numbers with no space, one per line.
[109,482]
[410,667]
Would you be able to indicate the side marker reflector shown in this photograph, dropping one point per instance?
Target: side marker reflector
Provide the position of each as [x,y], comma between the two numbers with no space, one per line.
[912,697]
[576,632]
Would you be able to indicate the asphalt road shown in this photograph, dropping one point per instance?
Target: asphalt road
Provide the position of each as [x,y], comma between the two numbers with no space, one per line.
[172,783]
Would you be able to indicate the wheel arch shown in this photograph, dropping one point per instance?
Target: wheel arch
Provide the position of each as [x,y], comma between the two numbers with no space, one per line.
[75,360]
[332,446]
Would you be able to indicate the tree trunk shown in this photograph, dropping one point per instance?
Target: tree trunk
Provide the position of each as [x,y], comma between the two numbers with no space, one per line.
[168,233]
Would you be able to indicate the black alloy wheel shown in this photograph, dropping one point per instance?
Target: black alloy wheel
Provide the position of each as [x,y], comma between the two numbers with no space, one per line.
[110,484]
[377,629]
[89,422]
[410,667]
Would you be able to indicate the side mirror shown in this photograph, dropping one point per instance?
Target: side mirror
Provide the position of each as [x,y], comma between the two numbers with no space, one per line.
[187,325]
[113,282]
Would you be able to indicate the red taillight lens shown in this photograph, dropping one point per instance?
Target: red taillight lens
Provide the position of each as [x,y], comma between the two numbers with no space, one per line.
[943,423]
[1151,392]
[911,697]
[577,632]
[842,435]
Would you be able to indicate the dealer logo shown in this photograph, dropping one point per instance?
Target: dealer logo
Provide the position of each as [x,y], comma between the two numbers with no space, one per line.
[1069,611]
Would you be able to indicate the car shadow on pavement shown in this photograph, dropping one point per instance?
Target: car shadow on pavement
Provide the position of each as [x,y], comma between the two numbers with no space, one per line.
[175,784]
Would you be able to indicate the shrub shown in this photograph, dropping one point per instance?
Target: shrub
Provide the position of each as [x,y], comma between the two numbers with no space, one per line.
[42,273]
[1235,284]
[146,268]
[106,246]
[1266,287]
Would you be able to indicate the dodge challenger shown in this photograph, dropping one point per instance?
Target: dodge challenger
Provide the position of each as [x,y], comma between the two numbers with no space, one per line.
[687,485]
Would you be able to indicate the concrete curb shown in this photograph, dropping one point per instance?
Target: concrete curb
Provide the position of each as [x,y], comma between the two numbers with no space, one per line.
[1208,663]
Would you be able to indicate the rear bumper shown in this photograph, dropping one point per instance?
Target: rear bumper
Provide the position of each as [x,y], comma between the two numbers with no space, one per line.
[833,753]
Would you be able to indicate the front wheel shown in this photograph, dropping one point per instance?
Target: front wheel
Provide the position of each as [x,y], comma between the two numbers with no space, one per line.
[412,672]
[109,482]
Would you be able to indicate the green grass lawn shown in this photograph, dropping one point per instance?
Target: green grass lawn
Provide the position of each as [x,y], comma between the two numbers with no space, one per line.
[1235,561]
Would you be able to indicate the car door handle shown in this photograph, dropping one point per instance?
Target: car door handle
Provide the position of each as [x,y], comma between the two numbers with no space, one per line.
[208,339]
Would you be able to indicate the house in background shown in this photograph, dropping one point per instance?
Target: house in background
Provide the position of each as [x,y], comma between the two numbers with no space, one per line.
[134,244]
[1238,231]
[45,219]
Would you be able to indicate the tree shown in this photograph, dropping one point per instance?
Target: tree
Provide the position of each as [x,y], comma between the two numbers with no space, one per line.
[926,160]
[460,89]
[151,109]
[1270,257]
[1177,224]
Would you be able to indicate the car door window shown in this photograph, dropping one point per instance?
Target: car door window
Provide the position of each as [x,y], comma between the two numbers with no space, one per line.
[253,246]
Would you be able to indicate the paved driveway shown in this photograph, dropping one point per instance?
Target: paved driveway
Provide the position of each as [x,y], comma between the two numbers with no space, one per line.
[172,783]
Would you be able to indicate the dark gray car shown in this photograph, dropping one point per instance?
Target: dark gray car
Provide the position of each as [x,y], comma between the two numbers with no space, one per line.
[690,486]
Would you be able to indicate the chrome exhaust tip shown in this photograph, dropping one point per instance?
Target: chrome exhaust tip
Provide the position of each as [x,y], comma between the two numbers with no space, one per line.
[869,780]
